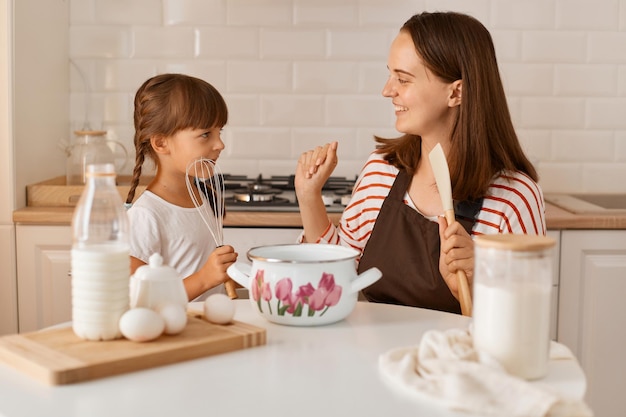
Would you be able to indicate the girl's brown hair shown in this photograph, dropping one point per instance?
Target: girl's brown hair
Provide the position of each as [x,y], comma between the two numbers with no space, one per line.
[454,47]
[166,104]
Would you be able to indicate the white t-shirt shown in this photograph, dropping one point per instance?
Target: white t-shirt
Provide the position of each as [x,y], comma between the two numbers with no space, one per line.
[178,234]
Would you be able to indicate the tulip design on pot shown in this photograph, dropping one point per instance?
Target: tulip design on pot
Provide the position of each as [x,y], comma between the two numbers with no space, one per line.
[261,290]
[294,303]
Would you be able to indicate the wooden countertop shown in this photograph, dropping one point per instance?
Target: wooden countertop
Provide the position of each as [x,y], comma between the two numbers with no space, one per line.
[63,216]
[556,218]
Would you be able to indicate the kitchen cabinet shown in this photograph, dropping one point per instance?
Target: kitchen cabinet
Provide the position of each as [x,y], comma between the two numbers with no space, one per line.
[554,306]
[245,238]
[8,284]
[43,266]
[34,114]
[592,312]
[44,262]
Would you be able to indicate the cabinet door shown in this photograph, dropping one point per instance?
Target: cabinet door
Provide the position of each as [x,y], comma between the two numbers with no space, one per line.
[592,313]
[8,284]
[554,306]
[44,285]
[245,238]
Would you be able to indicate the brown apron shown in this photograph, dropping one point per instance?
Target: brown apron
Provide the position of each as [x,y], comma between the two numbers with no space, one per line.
[404,245]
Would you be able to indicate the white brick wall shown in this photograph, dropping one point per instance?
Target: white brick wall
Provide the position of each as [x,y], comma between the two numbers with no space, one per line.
[297,73]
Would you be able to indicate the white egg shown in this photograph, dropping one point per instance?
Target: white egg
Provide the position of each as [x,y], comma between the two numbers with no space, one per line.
[219,309]
[141,324]
[175,317]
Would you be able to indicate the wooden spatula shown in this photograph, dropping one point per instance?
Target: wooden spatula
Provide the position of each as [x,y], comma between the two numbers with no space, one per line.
[442,177]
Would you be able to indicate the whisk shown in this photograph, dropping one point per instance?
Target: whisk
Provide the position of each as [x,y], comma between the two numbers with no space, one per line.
[206,176]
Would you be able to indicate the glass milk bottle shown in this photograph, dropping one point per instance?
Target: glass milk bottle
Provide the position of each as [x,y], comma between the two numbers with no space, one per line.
[512,296]
[100,258]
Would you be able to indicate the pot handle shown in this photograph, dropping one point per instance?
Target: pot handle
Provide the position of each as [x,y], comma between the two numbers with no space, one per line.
[365,279]
[240,272]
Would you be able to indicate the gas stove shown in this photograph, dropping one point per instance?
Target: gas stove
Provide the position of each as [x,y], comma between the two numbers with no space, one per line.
[277,193]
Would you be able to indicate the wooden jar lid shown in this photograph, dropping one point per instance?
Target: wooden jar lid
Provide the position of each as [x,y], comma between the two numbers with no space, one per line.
[90,132]
[515,242]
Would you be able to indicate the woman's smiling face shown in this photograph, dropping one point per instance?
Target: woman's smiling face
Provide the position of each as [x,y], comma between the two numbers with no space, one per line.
[421,99]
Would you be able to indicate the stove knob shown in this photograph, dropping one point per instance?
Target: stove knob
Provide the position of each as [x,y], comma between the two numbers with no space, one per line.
[328,199]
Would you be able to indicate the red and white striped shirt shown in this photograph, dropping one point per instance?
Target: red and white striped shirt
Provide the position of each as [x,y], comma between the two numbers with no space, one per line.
[513,204]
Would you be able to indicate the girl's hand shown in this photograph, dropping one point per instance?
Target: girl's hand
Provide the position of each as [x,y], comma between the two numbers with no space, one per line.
[314,168]
[457,252]
[212,273]
[215,267]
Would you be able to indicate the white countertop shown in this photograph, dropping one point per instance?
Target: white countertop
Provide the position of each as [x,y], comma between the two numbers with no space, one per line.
[302,371]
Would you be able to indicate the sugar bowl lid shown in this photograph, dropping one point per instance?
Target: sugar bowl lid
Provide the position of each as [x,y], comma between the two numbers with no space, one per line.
[156,271]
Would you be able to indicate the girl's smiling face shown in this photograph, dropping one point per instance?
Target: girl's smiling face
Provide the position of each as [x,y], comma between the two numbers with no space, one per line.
[423,102]
[188,145]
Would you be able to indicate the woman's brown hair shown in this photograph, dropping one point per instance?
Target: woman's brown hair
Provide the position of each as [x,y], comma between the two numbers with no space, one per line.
[166,104]
[454,47]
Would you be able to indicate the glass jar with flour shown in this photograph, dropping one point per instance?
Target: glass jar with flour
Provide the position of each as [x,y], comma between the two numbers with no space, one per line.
[512,297]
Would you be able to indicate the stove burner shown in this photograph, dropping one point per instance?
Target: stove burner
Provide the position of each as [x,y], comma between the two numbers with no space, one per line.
[277,193]
[255,192]
[276,201]
[259,196]
[257,187]
[342,191]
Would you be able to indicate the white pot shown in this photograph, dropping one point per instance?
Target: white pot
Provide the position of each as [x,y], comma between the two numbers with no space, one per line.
[303,284]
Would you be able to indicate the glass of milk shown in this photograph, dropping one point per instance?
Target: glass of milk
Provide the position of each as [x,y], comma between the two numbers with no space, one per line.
[512,295]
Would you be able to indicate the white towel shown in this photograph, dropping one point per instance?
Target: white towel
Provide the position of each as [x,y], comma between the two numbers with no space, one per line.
[445,367]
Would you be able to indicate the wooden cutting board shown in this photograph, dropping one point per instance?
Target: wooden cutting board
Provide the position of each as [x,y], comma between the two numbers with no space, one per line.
[57,356]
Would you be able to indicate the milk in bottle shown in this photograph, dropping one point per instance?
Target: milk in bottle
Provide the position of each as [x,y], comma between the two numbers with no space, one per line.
[100,259]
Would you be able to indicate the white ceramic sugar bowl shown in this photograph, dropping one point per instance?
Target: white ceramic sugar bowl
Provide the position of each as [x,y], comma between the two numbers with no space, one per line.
[155,284]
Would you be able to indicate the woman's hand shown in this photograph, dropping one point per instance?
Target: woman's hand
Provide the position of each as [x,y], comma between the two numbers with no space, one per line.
[314,168]
[457,252]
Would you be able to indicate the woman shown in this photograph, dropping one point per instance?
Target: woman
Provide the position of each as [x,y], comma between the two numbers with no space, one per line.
[445,86]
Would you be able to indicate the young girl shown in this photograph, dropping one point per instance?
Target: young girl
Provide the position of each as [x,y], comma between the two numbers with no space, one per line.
[178,119]
[445,87]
